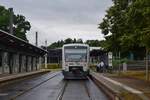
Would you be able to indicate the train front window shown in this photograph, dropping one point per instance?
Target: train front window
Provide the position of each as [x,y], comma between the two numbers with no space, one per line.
[75,55]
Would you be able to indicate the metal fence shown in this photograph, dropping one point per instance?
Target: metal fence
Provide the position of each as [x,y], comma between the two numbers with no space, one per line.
[130,65]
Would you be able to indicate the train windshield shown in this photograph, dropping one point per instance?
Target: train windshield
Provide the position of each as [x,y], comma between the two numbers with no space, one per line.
[75,55]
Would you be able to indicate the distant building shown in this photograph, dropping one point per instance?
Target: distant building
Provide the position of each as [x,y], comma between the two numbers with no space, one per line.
[54,55]
[97,54]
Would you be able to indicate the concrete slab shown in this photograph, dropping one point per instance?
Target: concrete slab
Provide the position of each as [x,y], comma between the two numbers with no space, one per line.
[9,77]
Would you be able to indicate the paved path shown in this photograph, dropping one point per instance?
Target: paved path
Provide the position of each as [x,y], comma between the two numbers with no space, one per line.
[11,90]
[119,87]
[7,77]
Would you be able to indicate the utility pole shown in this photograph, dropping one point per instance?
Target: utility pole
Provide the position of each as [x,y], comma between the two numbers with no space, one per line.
[46,55]
[36,38]
[11,21]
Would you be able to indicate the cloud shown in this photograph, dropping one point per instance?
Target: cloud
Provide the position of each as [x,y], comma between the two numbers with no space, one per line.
[60,19]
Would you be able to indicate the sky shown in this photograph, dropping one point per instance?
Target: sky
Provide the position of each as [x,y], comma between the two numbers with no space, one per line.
[60,19]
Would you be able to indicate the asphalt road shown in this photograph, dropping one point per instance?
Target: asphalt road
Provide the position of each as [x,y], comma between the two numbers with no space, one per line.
[49,86]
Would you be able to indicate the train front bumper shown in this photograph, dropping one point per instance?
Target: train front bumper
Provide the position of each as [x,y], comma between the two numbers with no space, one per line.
[75,75]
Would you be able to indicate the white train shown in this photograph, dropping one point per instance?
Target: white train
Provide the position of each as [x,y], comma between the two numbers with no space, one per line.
[75,61]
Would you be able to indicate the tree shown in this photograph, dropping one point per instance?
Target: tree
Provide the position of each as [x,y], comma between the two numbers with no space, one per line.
[95,43]
[114,23]
[4,19]
[74,40]
[60,43]
[139,18]
[68,40]
[128,21]
[79,41]
[20,27]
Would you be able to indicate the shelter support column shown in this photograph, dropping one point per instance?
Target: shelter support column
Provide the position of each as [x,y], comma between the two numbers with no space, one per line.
[34,63]
[29,63]
[39,62]
[23,63]
[20,63]
[5,68]
[15,63]
[1,67]
[46,60]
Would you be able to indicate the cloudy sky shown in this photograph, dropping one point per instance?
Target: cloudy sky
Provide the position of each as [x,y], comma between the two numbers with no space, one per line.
[60,19]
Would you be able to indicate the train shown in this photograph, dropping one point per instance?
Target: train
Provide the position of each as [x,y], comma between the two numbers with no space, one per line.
[75,61]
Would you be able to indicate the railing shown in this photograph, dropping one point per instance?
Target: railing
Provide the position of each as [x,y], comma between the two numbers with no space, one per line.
[136,65]
[133,65]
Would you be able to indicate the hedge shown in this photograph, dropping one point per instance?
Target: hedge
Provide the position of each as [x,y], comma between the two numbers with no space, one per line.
[52,66]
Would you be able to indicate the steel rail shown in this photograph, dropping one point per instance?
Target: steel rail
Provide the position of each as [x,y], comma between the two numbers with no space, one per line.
[87,89]
[62,91]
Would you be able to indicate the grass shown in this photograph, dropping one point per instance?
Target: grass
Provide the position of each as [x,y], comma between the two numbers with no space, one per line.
[59,69]
[133,74]
[129,96]
[52,66]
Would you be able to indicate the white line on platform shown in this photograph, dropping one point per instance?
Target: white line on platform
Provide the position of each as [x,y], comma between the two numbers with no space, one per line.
[3,94]
[132,90]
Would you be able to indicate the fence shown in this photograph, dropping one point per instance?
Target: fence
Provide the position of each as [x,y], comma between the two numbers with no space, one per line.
[130,65]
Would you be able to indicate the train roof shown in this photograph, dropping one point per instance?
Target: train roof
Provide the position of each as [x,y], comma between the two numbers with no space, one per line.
[76,44]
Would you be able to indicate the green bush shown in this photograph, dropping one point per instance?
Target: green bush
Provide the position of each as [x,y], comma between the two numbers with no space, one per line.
[52,66]
[116,62]
[92,66]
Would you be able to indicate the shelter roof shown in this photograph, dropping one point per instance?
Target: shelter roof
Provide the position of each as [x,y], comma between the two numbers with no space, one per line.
[12,41]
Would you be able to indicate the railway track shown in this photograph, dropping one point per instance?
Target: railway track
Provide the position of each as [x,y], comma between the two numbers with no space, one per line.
[54,87]
[62,91]
[82,84]
[87,90]
[80,90]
